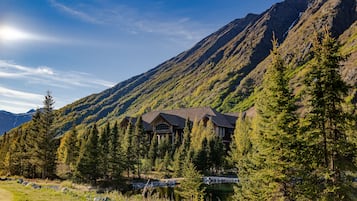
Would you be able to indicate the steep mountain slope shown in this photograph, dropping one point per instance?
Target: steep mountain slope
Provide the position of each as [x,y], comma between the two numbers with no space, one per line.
[9,120]
[223,69]
[338,16]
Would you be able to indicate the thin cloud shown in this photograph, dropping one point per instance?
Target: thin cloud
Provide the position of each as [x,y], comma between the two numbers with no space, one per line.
[10,93]
[135,22]
[17,104]
[46,75]
[76,13]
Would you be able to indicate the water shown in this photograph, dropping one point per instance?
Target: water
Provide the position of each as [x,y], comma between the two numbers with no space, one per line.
[215,192]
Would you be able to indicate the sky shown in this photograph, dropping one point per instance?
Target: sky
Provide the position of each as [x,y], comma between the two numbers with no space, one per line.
[77,48]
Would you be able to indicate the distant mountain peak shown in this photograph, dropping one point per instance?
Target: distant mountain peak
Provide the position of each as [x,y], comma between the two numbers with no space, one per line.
[10,120]
[31,111]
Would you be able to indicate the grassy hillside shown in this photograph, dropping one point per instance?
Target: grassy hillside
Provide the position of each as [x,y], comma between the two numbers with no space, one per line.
[224,69]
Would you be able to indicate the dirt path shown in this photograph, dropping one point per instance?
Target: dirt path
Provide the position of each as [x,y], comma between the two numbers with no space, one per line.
[5,195]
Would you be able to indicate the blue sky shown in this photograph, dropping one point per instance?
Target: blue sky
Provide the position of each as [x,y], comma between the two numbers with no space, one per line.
[76,48]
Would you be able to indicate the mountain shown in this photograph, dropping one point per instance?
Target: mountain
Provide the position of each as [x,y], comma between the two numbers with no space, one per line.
[224,69]
[10,120]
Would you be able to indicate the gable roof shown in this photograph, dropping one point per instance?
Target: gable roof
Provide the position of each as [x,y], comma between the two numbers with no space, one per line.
[178,117]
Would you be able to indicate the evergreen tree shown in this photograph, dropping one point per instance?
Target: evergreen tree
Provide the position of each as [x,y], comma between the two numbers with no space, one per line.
[152,155]
[201,157]
[191,187]
[197,135]
[115,155]
[275,136]
[181,153]
[35,138]
[330,152]
[14,156]
[47,142]
[166,160]
[127,148]
[216,153]
[68,151]
[186,141]
[164,146]
[139,143]
[87,165]
[240,153]
[104,150]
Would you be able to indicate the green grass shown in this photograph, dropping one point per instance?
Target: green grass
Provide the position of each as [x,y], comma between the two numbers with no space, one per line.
[26,193]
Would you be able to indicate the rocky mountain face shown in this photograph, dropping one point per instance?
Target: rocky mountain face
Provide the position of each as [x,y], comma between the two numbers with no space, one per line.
[223,69]
[10,120]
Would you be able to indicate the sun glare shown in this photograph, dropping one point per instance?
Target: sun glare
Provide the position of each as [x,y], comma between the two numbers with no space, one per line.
[12,34]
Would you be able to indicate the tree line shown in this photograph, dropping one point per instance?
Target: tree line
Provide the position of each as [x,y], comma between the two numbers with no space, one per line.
[296,147]
[299,147]
[108,153]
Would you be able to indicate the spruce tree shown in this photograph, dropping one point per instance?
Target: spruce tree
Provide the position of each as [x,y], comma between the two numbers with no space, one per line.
[127,148]
[34,146]
[115,158]
[201,157]
[87,165]
[177,162]
[152,155]
[330,152]
[48,144]
[68,151]
[191,186]
[166,160]
[104,150]
[216,153]
[241,153]
[275,136]
[139,144]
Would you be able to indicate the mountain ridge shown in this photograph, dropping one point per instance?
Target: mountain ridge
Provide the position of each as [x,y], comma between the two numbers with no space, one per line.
[9,120]
[222,70]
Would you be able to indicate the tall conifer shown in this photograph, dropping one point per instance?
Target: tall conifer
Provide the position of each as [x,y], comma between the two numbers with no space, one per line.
[275,136]
[325,125]
[87,165]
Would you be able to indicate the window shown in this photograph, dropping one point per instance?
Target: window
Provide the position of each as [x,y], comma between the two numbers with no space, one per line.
[162,127]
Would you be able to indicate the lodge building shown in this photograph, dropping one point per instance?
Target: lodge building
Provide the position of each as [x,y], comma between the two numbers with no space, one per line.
[168,123]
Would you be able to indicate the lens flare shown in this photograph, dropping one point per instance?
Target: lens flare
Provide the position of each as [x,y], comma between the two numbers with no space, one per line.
[8,33]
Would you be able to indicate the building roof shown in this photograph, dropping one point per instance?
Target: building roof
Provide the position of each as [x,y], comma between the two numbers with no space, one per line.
[178,117]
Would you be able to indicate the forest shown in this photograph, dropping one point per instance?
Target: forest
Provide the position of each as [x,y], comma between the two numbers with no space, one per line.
[300,145]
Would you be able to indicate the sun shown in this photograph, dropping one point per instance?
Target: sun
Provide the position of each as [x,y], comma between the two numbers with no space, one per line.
[8,33]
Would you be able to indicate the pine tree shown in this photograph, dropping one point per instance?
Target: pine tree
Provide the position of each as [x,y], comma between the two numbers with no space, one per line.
[68,151]
[275,136]
[104,150]
[177,162]
[191,187]
[330,152]
[181,153]
[48,144]
[34,147]
[166,160]
[241,153]
[152,155]
[201,157]
[127,148]
[197,135]
[139,143]
[216,153]
[115,155]
[87,165]
[186,141]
